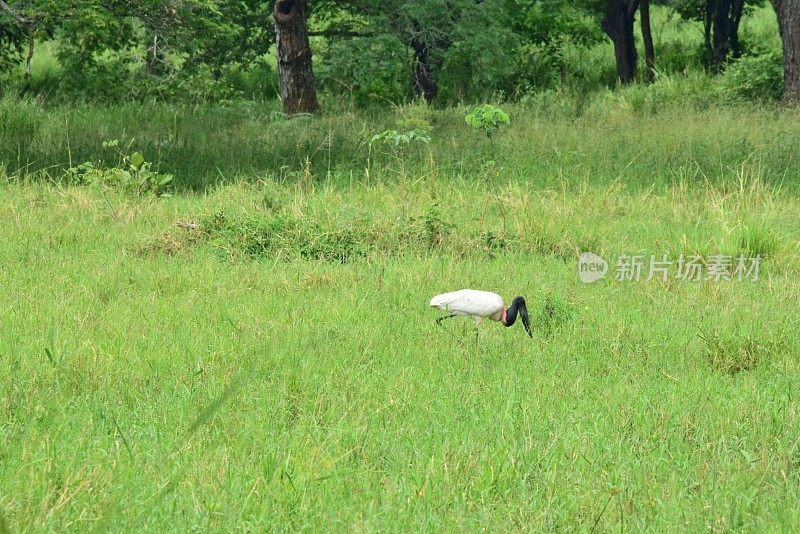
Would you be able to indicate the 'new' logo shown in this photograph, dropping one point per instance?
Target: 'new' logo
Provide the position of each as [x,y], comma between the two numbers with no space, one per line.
[591,267]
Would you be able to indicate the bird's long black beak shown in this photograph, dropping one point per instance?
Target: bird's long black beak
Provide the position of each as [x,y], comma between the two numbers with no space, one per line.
[523,313]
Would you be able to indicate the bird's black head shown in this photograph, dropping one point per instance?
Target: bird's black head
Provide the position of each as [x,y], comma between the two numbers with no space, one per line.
[518,307]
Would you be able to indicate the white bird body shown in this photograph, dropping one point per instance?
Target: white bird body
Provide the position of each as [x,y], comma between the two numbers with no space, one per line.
[471,303]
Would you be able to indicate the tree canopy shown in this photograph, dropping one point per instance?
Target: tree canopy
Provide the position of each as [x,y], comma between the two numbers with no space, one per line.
[369,50]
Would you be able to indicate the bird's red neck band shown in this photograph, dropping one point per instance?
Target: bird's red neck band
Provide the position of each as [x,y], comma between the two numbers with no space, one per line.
[503,317]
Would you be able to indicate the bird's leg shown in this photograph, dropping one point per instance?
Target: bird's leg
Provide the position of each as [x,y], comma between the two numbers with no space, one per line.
[440,319]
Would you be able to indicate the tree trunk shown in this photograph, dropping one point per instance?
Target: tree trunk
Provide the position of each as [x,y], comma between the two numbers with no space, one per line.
[647,37]
[723,20]
[423,75]
[428,59]
[29,57]
[707,29]
[719,38]
[295,75]
[618,25]
[738,9]
[788,12]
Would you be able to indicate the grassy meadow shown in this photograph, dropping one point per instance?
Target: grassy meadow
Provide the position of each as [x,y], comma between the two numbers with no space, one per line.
[256,350]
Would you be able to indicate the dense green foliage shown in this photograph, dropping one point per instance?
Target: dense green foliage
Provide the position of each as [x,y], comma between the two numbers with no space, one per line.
[365,51]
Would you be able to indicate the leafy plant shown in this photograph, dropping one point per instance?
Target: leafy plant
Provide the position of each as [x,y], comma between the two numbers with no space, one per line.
[132,173]
[756,77]
[398,142]
[402,139]
[487,119]
[436,227]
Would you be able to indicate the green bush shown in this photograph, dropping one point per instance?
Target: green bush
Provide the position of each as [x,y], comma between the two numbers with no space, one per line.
[487,119]
[132,174]
[757,77]
[367,69]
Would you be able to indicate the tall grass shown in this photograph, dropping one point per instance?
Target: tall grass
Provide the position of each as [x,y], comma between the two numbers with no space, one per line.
[255,352]
[640,137]
[244,374]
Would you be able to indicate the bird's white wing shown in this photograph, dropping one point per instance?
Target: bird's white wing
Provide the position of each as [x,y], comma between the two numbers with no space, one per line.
[469,302]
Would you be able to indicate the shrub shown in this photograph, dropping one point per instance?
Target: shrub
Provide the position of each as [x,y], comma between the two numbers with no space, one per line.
[757,77]
[487,119]
[132,174]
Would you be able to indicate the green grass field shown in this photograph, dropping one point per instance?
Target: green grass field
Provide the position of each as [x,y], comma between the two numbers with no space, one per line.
[278,367]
